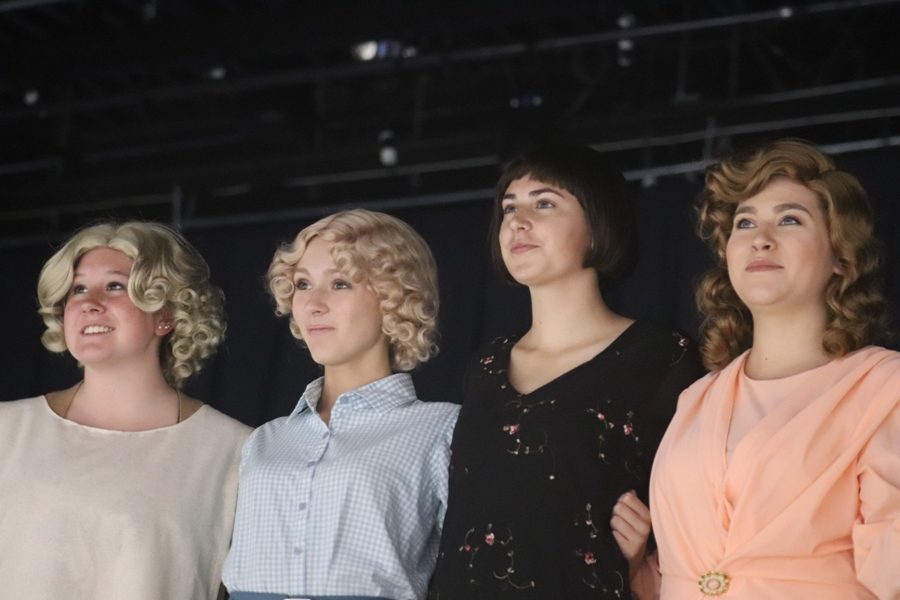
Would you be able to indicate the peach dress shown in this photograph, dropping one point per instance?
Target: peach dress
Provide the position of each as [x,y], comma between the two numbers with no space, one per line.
[781,490]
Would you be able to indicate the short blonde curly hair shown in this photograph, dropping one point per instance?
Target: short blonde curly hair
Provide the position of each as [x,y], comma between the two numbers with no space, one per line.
[168,274]
[854,300]
[387,255]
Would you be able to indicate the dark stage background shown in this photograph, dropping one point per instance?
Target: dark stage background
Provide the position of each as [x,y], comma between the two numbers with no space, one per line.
[241,121]
[261,370]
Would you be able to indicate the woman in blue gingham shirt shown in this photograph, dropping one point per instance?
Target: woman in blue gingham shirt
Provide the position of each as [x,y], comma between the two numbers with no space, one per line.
[344,498]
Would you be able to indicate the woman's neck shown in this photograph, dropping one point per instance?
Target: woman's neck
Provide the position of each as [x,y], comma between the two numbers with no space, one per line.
[571,312]
[124,399]
[343,378]
[786,344]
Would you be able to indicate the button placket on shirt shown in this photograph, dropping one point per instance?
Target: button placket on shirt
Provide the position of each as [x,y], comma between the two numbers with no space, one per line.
[339,414]
[306,482]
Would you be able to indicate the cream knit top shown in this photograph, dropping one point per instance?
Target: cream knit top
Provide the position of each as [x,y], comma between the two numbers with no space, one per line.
[94,514]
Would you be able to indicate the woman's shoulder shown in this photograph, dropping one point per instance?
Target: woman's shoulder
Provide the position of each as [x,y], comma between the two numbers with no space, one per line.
[648,335]
[653,348]
[23,405]
[867,366]
[212,418]
[496,347]
[437,409]
[441,415]
[872,368]
[492,354]
[882,359]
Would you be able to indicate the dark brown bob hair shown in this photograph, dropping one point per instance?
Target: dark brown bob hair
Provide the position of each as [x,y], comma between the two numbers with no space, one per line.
[601,191]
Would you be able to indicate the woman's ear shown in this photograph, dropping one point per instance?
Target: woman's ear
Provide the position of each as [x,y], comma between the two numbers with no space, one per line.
[840,267]
[163,322]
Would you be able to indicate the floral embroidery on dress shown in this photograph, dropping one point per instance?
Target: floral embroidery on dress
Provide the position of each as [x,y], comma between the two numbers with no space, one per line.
[538,446]
[606,426]
[683,344]
[506,577]
[585,522]
[487,362]
[526,438]
[598,424]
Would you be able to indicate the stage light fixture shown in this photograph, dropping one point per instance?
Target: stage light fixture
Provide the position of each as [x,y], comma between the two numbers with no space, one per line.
[370,50]
[387,151]
[524,101]
[625,21]
[365,51]
[625,45]
[31,97]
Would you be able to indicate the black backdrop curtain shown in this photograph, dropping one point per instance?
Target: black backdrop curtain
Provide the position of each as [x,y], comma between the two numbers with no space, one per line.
[260,370]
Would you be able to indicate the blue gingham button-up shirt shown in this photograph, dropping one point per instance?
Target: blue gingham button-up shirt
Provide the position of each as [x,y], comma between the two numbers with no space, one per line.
[354,507]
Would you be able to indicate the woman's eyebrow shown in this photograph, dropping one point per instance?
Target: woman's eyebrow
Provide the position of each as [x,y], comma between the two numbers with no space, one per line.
[792,206]
[546,190]
[110,272]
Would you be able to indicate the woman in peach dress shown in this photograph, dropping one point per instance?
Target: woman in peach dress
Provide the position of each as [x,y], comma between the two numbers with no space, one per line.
[779,476]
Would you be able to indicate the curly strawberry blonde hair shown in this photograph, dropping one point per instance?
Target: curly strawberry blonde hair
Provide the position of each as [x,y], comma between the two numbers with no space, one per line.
[854,300]
[387,255]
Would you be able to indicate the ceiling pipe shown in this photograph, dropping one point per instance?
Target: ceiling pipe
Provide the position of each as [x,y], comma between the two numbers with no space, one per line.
[288,78]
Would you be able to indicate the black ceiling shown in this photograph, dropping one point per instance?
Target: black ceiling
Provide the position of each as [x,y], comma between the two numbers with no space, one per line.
[210,112]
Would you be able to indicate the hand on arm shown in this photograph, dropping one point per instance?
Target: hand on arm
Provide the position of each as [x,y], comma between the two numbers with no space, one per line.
[631,528]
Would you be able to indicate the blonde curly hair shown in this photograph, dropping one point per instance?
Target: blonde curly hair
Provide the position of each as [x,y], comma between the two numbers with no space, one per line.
[854,300]
[167,274]
[387,255]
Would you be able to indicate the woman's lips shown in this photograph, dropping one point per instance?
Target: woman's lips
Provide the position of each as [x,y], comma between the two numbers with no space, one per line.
[762,265]
[521,247]
[318,329]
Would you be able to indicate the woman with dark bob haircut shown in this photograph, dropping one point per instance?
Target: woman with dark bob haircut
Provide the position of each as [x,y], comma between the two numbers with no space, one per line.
[121,486]
[560,422]
[779,476]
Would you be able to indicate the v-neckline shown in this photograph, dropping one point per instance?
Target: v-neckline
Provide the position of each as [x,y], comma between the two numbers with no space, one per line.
[507,358]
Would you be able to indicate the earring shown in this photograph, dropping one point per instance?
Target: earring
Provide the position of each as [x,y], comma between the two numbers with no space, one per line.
[164,326]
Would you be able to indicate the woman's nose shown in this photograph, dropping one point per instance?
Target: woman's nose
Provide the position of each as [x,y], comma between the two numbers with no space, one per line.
[763,239]
[315,302]
[519,221]
[89,303]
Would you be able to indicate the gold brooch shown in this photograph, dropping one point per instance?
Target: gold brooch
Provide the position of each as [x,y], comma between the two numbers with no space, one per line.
[714,583]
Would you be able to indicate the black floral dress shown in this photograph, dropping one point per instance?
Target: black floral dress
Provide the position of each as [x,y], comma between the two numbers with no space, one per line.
[534,477]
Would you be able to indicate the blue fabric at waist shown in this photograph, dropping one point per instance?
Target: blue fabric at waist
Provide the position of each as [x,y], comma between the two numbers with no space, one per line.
[263,596]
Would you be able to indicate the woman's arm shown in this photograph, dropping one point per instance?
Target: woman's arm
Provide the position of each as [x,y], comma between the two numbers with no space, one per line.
[631,529]
[876,539]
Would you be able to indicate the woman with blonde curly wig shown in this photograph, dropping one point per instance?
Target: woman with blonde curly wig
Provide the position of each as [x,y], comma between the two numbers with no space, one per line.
[344,498]
[779,476]
[121,486]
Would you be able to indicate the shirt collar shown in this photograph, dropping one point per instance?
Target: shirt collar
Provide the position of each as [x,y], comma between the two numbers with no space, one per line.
[381,395]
